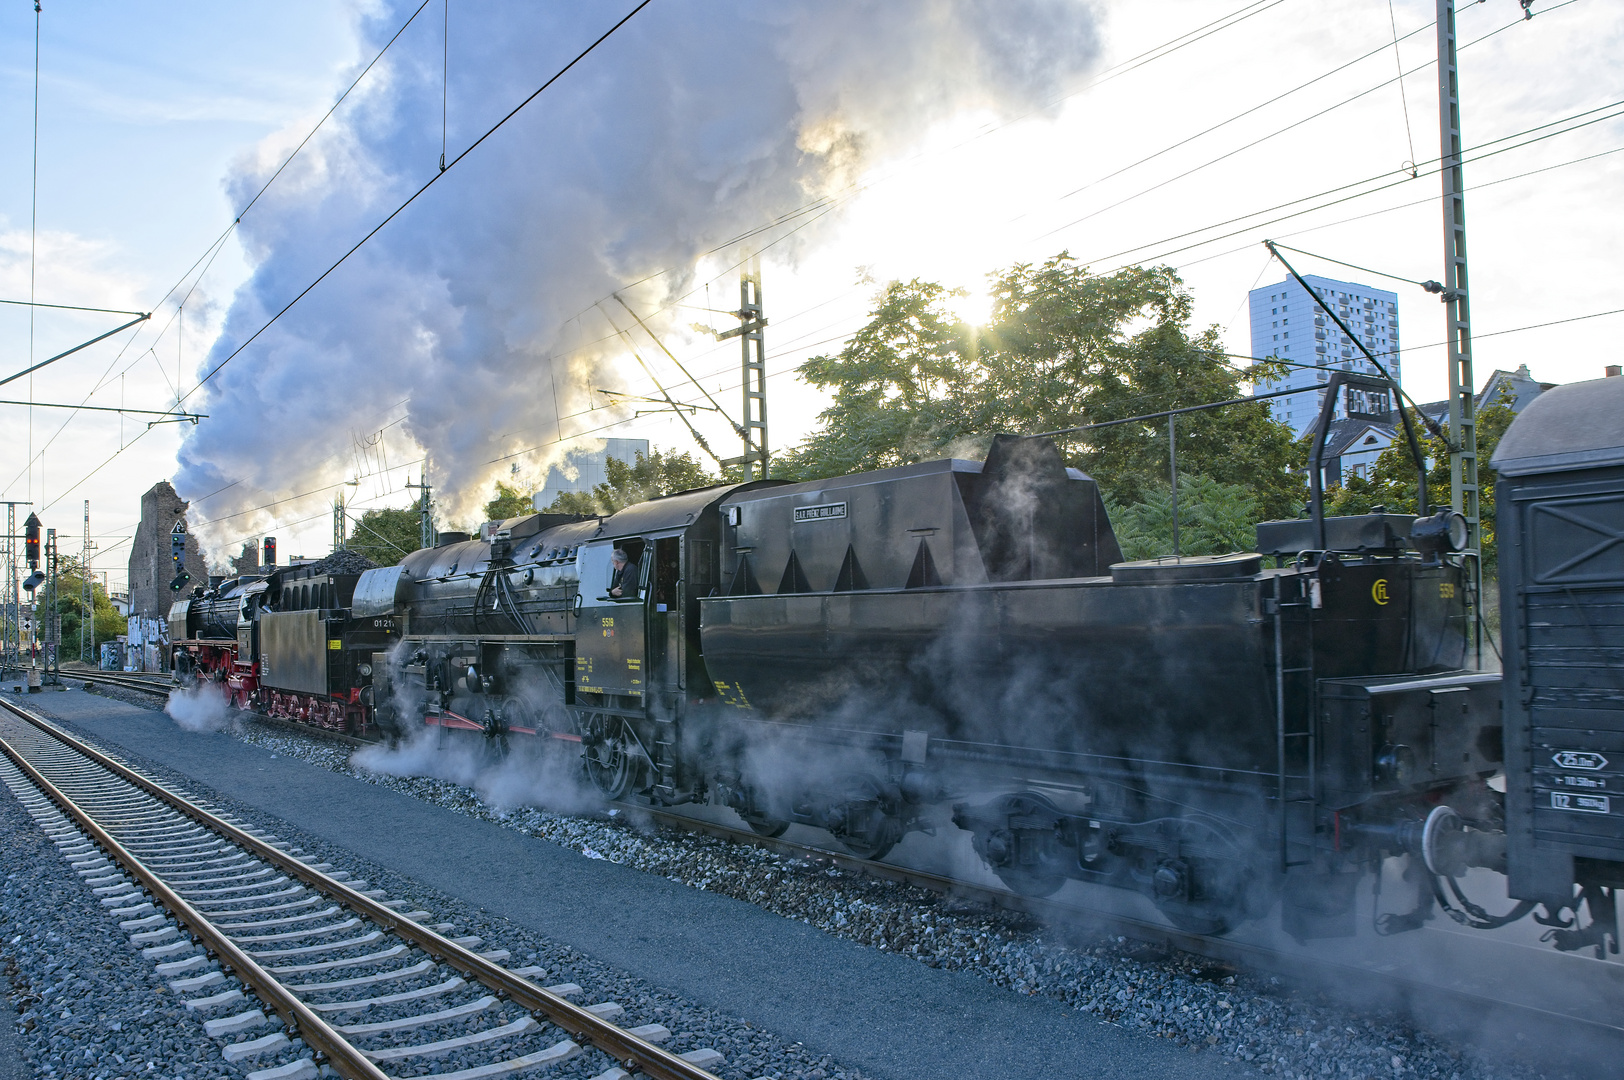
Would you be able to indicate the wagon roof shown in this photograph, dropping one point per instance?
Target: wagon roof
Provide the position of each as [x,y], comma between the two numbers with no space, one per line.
[1576,426]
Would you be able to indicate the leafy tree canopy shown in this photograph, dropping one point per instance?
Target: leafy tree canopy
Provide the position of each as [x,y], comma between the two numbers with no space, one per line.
[105,622]
[647,477]
[509,502]
[1214,519]
[386,536]
[1063,347]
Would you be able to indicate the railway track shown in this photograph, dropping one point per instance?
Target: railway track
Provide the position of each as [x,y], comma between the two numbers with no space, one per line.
[157,685]
[1366,983]
[229,915]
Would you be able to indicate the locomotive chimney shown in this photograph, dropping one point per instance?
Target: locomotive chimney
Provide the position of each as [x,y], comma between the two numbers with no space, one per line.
[1614,370]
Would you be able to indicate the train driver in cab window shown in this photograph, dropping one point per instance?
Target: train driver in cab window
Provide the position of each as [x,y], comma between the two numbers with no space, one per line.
[622,576]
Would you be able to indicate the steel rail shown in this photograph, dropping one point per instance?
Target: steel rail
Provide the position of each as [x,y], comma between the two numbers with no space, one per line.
[128,681]
[315,1031]
[632,1052]
[1056,912]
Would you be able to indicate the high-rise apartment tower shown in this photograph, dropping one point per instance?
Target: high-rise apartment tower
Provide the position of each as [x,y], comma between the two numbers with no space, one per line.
[1287,323]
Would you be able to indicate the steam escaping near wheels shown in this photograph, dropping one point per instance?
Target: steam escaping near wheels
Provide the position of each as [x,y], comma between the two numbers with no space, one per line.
[202,707]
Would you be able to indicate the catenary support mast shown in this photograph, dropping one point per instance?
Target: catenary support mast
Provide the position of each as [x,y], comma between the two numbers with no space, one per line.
[1463,482]
[87,601]
[753,421]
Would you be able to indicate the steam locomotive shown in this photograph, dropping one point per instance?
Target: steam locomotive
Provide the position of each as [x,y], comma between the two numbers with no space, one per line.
[961,641]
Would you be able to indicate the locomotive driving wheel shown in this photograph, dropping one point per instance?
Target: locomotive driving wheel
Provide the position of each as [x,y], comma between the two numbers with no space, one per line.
[762,825]
[609,761]
[1204,886]
[863,822]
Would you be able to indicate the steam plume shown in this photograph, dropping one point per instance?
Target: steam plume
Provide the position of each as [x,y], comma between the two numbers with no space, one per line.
[696,122]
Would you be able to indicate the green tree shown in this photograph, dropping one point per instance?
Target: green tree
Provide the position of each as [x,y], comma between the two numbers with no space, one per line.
[646,477]
[1392,482]
[1063,348]
[1214,519]
[509,502]
[105,624]
[386,536]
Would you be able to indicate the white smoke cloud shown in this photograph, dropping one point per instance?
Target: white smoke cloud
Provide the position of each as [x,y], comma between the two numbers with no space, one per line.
[531,773]
[696,122]
[200,708]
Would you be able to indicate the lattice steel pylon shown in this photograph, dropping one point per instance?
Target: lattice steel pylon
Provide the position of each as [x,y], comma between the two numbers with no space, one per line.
[13,627]
[1463,480]
[87,601]
[426,533]
[753,350]
[11,633]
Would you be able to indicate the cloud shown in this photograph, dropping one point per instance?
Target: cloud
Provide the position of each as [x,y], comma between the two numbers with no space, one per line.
[695,123]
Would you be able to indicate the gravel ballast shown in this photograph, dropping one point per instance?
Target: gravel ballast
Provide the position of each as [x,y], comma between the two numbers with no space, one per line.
[89,1005]
[1245,1018]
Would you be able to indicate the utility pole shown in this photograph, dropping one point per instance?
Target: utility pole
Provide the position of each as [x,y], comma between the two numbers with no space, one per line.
[87,602]
[753,349]
[338,521]
[1463,485]
[425,511]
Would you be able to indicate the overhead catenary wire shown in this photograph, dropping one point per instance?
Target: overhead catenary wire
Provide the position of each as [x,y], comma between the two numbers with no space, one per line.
[702,389]
[215,370]
[1404,101]
[1429,200]
[824,204]
[1125,252]
[212,251]
[665,394]
[106,408]
[834,201]
[69,307]
[33,245]
[1349,265]
[1265,138]
[1245,113]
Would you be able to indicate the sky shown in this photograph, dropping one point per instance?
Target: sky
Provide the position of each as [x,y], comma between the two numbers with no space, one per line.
[932,140]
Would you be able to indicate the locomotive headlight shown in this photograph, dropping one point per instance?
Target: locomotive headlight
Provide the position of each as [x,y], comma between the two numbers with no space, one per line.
[1443,531]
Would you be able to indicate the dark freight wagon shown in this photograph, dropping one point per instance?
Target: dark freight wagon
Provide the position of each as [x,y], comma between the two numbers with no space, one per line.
[1560,507]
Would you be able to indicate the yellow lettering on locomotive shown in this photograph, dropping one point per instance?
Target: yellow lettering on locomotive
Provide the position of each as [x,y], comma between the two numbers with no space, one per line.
[1446,590]
[607,620]
[1378,591]
[731,695]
